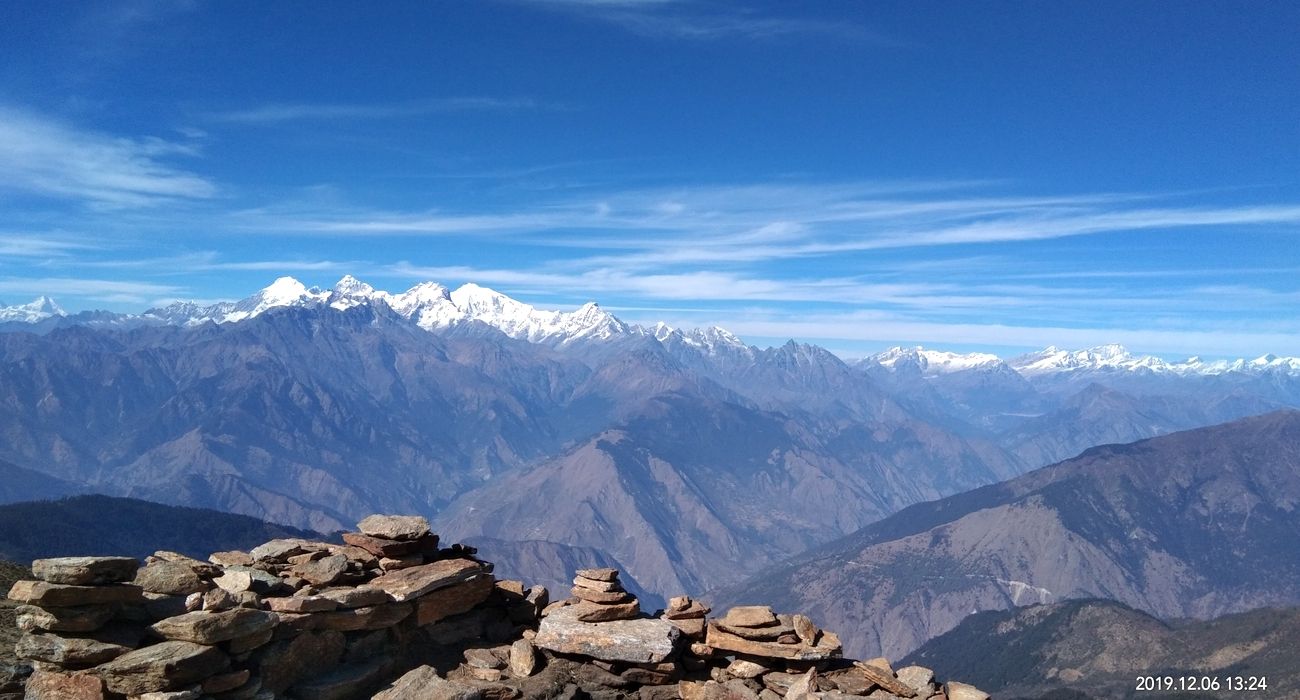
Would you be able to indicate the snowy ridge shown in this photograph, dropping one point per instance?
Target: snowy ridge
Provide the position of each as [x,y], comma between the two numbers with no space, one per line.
[934,362]
[38,309]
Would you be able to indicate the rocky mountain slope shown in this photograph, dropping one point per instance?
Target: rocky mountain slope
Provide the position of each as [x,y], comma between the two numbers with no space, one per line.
[687,456]
[1098,648]
[1194,524]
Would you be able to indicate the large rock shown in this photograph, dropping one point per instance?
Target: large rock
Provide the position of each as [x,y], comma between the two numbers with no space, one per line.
[322,572]
[359,597]
[452,600]
[86,618]
[279,551]
[394,527]
[414,582]
[344,682]
[57,595]
[85,571]
[961,691]
[631,641]
[170,578]
[56,685]
[161,667]
[424,683]
[749,616]
[286,662]
[203,627]
[827,648]
[66,651]
[380,547]
[238,579]
[884,677]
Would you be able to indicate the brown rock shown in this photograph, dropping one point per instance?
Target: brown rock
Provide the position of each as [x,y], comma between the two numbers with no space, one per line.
[356,554]
[284,663]
[683,608]
[279,551]
[961,691]
[205,627]
[884,677]
[343,682]
[394,527]
[239,645]
[453,600]
[66,651]
[412,583]
[359,597]
[301,604]
[238,579]
[86,618]
[218,599]
[804,627]
[489,675]
[918,678]
[605,574]
[57,685]
[57,595]
[734,689]
[692,627]
[405,562]
[85,571]
[719,639]
[202,568]
[773,633]
[232,558]
[423,683]
[803,688]
[371,618]
[749,616]
[322,572]
[647,676]
[597,585]
[603,597]
[593,612]
[169,578]
[633,641]
[308,556]
[165,666]
[523,658]
[744,668]
[379,547]
[483,658]
[226,681]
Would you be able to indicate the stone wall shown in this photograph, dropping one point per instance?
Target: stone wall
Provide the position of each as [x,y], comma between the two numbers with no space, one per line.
[390,614]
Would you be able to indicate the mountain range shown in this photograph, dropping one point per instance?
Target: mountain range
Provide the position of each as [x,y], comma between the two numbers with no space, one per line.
[1190,525]
[685,457]
[1098,649]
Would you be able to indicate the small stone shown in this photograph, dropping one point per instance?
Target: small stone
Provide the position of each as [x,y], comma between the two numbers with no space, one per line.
[66,651]
[483,658]
[692,627]
[279,551]
[598,585]
[212,627]
[355,554]
[166,666]
[523,658]
[736,689]
[591,612]
[238,579]
[488,675]
[749,616]
[226,681]
[744,668]
[394,527]
[423,683]
[59,685]
[58,595]
[218,599]
[231,558]
[602,574]
[306,557]
[606,598]
[962,691]
[804,627]
[85,571]
[359,597]
[884,677]
[378,547]
[453,600]
[918,678]
[803,688]
[406,562]
[703,651]
[302,604]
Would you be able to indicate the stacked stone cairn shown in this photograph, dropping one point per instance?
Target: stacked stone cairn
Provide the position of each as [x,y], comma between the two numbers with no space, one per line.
[388,614]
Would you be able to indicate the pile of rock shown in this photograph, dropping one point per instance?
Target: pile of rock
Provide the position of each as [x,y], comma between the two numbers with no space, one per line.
[388,610]
[311,619]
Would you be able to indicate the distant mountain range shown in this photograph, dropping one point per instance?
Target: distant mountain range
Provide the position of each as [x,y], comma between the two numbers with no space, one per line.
[687,456]
[1099,648]
[1194,524]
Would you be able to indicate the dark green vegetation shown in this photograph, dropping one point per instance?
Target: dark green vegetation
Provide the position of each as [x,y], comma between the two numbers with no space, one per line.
[1097,649]
[103,525]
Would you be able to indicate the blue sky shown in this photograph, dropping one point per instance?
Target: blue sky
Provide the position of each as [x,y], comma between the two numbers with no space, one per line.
[858,174]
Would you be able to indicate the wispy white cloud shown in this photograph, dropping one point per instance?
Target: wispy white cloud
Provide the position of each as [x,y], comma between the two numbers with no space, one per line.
[114,291]
[301,111]
[47,157]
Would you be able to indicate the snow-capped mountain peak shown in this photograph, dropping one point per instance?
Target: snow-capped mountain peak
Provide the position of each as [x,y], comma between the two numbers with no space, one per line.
[933,362]
[38,309]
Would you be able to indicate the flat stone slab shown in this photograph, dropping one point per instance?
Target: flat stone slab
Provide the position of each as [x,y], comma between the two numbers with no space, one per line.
[749,616]
[66,651]
[380,547]
[58,595]
[452,600]
[167,666]
[605,574]
[630,641]
[204,627]
[81,619]
[169,578]
[394,527]
[85,571]
[828,647]
[408,584]
[424,683]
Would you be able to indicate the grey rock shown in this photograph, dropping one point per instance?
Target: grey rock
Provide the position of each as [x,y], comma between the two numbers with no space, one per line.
[85,571]
[394,527]
[635,641]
